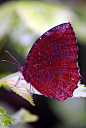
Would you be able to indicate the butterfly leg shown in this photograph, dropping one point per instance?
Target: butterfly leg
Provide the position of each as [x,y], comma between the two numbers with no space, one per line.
[30,90]
[20,78]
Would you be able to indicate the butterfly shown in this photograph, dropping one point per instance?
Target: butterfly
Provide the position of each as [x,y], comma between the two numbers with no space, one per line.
[51,66]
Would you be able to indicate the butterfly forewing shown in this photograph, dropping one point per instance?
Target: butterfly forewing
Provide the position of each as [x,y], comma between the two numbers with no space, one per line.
[51,65]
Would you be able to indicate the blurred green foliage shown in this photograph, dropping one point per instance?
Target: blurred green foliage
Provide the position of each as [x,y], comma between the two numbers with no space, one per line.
[22,22]
[5,119]
[20,117]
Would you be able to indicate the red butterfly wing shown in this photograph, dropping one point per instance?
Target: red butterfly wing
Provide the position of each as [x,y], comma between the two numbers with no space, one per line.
[51,66]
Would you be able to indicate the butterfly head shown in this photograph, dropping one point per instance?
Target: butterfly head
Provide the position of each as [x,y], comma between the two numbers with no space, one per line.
[20,68]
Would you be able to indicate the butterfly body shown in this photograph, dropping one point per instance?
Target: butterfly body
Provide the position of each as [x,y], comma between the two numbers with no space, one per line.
[51,65]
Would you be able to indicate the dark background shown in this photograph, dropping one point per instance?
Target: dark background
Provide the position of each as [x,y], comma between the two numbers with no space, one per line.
[72,112]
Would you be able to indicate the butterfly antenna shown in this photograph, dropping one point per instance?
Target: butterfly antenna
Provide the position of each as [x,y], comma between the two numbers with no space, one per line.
[18,64]
[9,62]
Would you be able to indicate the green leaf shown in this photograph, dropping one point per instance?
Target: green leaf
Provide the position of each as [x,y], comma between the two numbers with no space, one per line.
[80,91]
[20,117]
[5,119]
[22,88]
[23,116]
